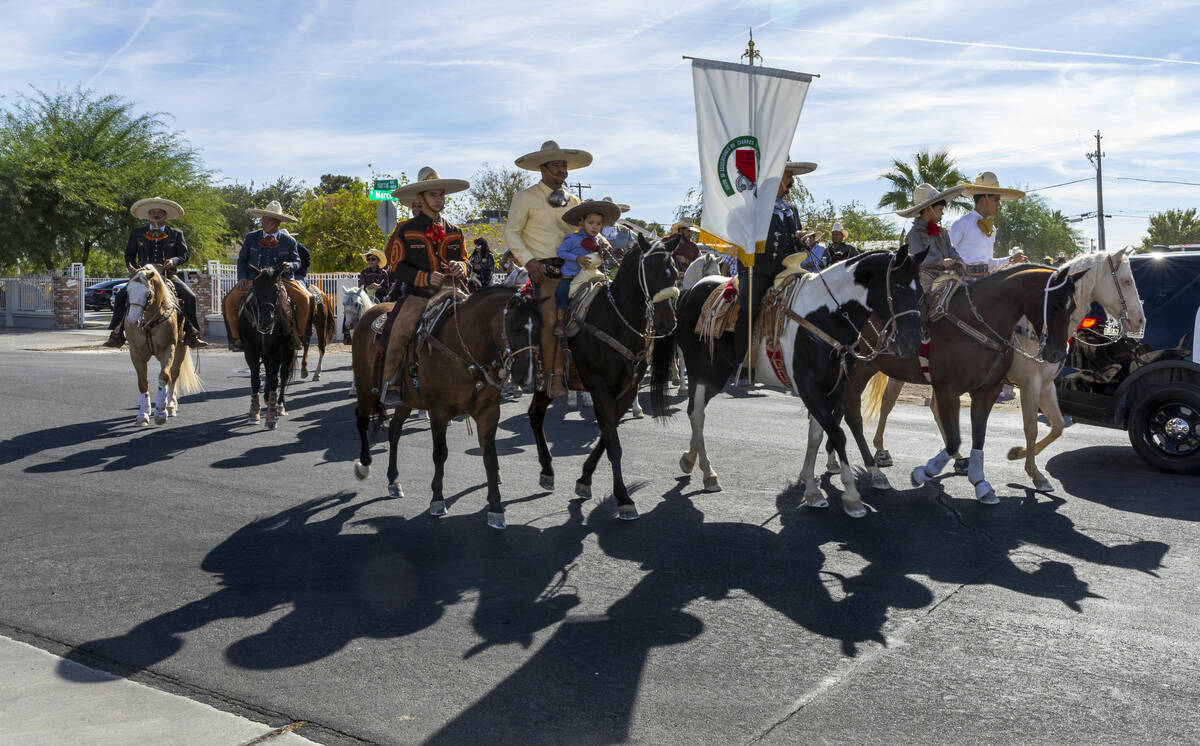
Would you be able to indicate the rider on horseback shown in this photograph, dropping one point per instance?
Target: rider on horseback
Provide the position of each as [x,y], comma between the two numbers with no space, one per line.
[165,247]
[268,247]
[591,217]
[422,252]
[974,234]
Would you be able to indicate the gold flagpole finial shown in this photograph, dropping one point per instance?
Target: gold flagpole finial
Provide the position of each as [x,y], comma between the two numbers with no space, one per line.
[751,54]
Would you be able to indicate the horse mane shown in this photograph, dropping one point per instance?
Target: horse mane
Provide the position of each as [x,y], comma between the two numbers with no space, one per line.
[159,302]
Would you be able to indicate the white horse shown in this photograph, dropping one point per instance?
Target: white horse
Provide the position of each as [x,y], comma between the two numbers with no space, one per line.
[1109,282]
[355,302]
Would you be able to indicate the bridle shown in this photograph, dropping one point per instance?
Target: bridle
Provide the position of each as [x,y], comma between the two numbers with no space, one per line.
[252,310]
[885,336]
[667,294]
[999,343]
[1123,319]
[143,324]
[502,367]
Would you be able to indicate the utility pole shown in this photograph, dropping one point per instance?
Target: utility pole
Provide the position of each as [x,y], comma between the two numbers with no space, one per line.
[1096,159]
[579,188]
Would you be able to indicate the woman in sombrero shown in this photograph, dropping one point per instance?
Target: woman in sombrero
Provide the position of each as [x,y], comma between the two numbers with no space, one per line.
[376,273]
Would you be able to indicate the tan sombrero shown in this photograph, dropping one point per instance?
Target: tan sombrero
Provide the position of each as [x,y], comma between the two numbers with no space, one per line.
[685,223]
[272,210]
[551,152]
[624,207]
[799,168]
[428,180]
[608,210]
[375,253]
[141,209]
[987,183]
[925,195]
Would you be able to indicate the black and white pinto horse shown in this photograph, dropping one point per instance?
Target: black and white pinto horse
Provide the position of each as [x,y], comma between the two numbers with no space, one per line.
[266,343]
[825,320]
[609,351]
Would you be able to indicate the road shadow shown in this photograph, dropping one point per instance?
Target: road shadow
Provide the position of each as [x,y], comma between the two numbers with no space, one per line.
[1126,482]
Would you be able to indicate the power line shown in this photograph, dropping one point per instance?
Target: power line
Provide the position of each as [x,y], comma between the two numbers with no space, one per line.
[1157,181]
[1052,186]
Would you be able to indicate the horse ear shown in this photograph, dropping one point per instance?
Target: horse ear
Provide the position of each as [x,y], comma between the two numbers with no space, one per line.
[901,256]
[1077,276]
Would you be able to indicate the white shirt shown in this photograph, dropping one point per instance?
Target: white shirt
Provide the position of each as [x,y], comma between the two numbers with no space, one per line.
[972,244]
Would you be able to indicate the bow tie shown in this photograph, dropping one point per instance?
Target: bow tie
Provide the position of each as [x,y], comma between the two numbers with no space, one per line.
[933,229]
[155,234]
[987,226]
[268,242]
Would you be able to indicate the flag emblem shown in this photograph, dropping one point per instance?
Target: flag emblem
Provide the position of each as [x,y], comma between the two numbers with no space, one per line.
[746,155]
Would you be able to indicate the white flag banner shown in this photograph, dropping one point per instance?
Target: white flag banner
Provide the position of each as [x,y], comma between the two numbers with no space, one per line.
[745,120]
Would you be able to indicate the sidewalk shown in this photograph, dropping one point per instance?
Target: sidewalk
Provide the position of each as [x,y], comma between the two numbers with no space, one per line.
[46,700]
[52,339]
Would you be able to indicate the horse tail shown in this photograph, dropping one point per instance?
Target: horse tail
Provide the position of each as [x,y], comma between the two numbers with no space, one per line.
[660,373]
[189,381]
[330,316]
[873,396]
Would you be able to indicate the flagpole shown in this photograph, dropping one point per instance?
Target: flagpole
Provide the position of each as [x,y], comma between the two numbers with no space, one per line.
[750,55]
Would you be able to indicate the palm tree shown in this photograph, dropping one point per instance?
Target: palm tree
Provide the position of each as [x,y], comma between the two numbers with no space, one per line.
[936,169]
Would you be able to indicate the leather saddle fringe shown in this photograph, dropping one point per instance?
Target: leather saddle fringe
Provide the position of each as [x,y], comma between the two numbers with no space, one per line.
[719,313]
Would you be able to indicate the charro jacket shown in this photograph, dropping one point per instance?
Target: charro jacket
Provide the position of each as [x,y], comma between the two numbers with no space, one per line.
[149,246]
[417,248]
[255,254]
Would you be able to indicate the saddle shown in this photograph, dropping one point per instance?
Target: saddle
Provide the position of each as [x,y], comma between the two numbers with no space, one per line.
[435,313]
[719,313]
[581,301]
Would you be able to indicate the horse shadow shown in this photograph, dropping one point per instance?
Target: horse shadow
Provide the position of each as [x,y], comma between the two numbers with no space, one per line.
[339,585]
[1126,483]
[565,437]
[329,429]
[64,436]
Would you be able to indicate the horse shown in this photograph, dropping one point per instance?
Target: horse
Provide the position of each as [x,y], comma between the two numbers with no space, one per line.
[153,326]
[609,351]
[1109,282]
[355,302]
[707,265]
[826,318]
[970,351]
[266,342]
[323,319]
[461,367]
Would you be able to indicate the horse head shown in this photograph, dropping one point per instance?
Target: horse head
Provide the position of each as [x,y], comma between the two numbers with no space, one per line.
[145,292]
[522,319]
[265,288]
[1110,283]
[1050,311]
[894,295]
[659,280]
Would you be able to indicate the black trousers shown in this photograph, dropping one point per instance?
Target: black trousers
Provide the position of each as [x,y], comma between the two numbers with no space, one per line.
[764,270]
[187,299]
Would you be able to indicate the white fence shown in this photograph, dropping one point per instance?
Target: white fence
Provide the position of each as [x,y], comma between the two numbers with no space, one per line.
[26,294]
[224,277]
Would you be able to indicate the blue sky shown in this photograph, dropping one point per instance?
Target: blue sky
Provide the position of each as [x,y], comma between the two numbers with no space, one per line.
[306,88]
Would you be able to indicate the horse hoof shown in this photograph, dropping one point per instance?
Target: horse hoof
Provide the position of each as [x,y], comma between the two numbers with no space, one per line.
[686,464]
[833,467]
[880,482]
[143,420]
[546,481]
[304,373]
[316,377]
[918,477]
[627,512]
[988,498]
[172,411]
[281,410]
[272,425]
[252,419]
[961,465]
[883,459]
[855,509]
[1042,486]
[820,502]
[711,484]
[437,508]
[394,489]
[583,490]
[496,520]
[160,419]
[1015,453]
[638,414]
[361,470]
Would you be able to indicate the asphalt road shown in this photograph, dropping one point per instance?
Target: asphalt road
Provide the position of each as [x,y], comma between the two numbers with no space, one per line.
[248,569]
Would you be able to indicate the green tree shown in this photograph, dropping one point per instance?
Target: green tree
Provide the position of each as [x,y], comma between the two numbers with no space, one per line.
[936,169]
[72,163]
[861,225]
[338,227]
[492,187]
[1040,232]
[238,197]
[331,183]
[1172,227]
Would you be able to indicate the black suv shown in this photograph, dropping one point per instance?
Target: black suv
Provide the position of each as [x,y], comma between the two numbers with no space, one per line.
[1149,387]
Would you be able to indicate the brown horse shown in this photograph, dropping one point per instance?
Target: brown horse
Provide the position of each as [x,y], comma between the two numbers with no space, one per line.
[323,318]
[461,368]
[153,326]
[970,350]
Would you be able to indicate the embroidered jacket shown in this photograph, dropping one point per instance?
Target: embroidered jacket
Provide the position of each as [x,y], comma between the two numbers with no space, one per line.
[415,250]
[781,239]
[254,253]
[149,246]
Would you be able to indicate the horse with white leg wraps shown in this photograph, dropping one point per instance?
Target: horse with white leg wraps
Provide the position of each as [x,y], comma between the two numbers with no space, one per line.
[154,328]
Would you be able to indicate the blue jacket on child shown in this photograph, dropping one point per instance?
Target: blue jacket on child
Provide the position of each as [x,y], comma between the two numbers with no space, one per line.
[573,247]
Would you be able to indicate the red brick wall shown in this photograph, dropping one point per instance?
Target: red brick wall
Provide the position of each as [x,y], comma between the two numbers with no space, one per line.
[67,311]
[204,300]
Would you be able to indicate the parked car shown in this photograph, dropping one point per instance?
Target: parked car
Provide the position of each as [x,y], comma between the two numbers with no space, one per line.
[1148,386]
[98,297]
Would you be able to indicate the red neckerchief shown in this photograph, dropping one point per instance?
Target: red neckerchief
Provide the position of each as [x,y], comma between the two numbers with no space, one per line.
[435,233]
[268,242]
[933,229]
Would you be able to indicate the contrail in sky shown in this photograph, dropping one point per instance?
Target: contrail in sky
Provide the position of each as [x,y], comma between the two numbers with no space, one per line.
[129,41]
[869,35]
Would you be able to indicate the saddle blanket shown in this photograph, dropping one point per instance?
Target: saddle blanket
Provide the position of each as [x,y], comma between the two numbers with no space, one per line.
[581,300]
[719,313]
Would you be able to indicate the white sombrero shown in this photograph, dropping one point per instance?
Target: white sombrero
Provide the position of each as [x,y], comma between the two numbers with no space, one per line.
[610,211]
[141,209]
[987,183]
[837,228]
[799,168]
[925,195]
[551,152]
[624,207]
[377,254]
[427,181]
[272,210]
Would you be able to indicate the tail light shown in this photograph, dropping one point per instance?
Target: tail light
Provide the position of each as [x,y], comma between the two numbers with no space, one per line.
[1087,323]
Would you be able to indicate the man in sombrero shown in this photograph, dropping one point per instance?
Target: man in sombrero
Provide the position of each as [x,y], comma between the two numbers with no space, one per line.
[686,251]
[535,230]
[425,253]
[156,243]
[974,234]
[268,247]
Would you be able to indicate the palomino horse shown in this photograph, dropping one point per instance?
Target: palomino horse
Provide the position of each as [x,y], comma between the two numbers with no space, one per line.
[1108,281]
[322,318]
[827,316]
[970,351]
[461,368]
[610,351]
[153,328]
[266,342]
[355,302]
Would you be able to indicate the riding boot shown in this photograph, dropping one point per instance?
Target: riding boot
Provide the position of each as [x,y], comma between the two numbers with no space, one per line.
[116,337]
[560,326]
[192,337]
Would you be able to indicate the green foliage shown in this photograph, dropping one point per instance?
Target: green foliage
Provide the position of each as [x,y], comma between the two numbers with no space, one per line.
[238,197]
[861,225]
[1040,232]
[492,187]
[1172,227]
[936,169]
[338,227]
[71,165]
[331,183]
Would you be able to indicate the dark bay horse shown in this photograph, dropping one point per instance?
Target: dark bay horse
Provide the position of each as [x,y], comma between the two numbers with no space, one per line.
[610,351]
[322,320]
[970,351]
[826,317]
[266,342]
[461,368]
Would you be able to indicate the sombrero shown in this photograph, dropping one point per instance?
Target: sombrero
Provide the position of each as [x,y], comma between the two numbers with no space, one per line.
[987,183]
[428,180]
[551,152]
[272,210]
[837,228]
[608,210]
[141,209]
[624,207]
[925,195]
[377,254]
[799,168]
[685,223]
